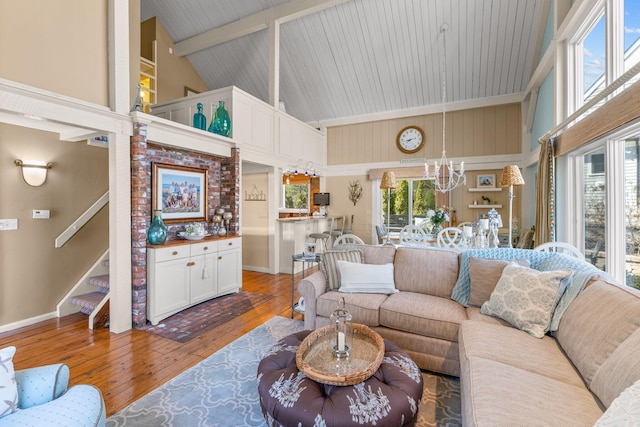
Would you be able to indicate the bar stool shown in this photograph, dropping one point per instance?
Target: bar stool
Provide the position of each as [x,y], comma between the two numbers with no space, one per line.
[335,233]
[323,237]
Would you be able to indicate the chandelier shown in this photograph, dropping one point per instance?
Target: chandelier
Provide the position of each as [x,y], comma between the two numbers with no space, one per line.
[444,174]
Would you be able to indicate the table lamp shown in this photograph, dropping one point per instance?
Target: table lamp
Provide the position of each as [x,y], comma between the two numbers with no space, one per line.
[388,183]
[511,176]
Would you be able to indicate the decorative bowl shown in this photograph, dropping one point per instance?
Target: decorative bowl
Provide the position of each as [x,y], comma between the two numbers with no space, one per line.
[193,236]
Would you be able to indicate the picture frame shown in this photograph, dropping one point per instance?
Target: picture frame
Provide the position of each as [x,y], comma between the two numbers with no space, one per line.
[309,250]
[181,192]
[486,181]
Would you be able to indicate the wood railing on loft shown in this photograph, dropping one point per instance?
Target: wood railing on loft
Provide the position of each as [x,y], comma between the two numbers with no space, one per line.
[67,234]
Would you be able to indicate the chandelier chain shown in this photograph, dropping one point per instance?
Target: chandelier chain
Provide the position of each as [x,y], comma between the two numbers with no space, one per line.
[449,179]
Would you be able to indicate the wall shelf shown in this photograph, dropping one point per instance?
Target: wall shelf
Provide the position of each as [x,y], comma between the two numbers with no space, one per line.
[485,190]
[484,206]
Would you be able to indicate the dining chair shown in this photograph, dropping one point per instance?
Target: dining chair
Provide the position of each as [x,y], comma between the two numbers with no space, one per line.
[412,235]
[451,238]
[560,247]
[347,241]
[382,233]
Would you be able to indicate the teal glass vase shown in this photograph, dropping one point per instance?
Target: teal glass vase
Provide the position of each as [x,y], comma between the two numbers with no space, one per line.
[221,122]
[157,233]
[199,120]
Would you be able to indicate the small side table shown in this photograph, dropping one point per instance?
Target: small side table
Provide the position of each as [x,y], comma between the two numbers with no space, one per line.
[304,260]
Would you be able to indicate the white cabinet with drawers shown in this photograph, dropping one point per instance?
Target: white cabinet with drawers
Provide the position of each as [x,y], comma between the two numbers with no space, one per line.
[185,274]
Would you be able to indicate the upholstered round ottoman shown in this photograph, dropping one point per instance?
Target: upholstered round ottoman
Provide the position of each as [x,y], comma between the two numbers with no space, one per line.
[288,398]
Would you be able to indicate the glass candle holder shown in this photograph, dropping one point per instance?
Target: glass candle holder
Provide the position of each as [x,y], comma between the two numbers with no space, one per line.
[341,319]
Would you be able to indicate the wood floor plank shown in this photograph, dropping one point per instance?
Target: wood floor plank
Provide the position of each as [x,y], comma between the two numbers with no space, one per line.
[129,365]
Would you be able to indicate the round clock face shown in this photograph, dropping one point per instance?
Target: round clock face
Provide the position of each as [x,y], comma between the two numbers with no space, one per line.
[410,139]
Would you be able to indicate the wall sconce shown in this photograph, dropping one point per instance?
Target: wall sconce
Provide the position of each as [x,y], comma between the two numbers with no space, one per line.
[34,172]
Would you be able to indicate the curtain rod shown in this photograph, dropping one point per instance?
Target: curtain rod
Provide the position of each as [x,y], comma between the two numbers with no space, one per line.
[593,101]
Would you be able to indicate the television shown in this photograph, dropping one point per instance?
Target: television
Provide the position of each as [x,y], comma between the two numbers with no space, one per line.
[321,199]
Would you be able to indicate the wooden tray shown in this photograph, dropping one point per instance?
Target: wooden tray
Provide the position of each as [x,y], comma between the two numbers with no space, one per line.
[315,357]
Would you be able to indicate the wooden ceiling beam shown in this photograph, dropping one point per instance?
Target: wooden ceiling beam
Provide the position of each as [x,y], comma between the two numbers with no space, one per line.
[253,23]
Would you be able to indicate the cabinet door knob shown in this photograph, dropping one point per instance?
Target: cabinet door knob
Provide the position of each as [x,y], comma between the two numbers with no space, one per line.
[174,253]
[206,248]
[219,257]
[191,264]
[230,243]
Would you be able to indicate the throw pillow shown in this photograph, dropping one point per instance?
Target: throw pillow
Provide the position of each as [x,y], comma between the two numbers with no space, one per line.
[366,278]
[330,268]
[8,386]
[484,274]
[526,298]
[624,410]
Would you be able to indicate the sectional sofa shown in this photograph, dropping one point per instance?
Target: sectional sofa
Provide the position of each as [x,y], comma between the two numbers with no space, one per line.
[456,314]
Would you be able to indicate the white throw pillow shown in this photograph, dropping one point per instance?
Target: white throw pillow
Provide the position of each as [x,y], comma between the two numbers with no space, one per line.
[366,278]
[8,386]
[624,410]
[526,298]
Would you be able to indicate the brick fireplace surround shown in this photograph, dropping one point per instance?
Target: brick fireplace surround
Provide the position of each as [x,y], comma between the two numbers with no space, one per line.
[224,184]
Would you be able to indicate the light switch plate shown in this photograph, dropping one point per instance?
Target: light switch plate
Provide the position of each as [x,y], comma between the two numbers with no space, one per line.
[8,224]
[41,214]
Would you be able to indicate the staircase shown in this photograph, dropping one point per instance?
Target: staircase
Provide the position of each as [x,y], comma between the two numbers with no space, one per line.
[90,295]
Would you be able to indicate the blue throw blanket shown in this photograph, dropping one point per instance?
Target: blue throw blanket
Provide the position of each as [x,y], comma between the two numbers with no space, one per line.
[583,272]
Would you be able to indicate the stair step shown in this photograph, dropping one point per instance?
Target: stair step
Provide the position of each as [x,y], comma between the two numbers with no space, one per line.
[87,301]
[101,281]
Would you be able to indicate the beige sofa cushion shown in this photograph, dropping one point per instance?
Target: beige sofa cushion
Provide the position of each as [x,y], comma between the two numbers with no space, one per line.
[594,332]
[495,394]
[596,323]
[484,274]
[473,313]
[364,308]
[423,315]
[426,271]
[511,346]
[378,254]
[620,370]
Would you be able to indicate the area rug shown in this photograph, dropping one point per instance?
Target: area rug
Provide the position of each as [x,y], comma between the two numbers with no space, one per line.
[222,390]
[194,321]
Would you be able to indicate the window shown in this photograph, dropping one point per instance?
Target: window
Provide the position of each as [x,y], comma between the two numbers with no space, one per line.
[631,33]
[296,196]
[409,203]
[632,210]
[597,163]
[593,61]
[594,207]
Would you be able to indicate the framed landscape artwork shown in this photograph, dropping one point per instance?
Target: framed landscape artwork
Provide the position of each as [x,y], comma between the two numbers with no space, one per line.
[180,191]
[486,181]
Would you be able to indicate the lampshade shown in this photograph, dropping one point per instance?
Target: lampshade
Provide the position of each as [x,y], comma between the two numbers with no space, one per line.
[511,176]
[388,180]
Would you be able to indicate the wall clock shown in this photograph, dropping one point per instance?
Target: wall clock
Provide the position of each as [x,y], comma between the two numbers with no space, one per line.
[410,139]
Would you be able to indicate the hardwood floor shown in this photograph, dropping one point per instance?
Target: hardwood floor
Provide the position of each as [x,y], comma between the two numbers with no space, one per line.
[127,366]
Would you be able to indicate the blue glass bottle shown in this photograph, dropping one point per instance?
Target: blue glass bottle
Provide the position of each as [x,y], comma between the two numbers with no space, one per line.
[199,120]
[157,233]
[221,123]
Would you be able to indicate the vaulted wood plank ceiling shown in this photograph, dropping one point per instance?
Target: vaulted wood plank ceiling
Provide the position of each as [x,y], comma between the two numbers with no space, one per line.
[366,56]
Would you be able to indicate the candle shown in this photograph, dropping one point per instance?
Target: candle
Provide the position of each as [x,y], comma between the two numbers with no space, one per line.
[467,231]
[340,341]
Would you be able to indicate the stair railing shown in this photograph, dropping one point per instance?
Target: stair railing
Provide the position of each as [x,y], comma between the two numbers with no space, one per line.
[82,220]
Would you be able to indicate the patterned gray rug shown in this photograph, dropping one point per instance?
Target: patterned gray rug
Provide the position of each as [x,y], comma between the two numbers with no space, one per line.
[222,390]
